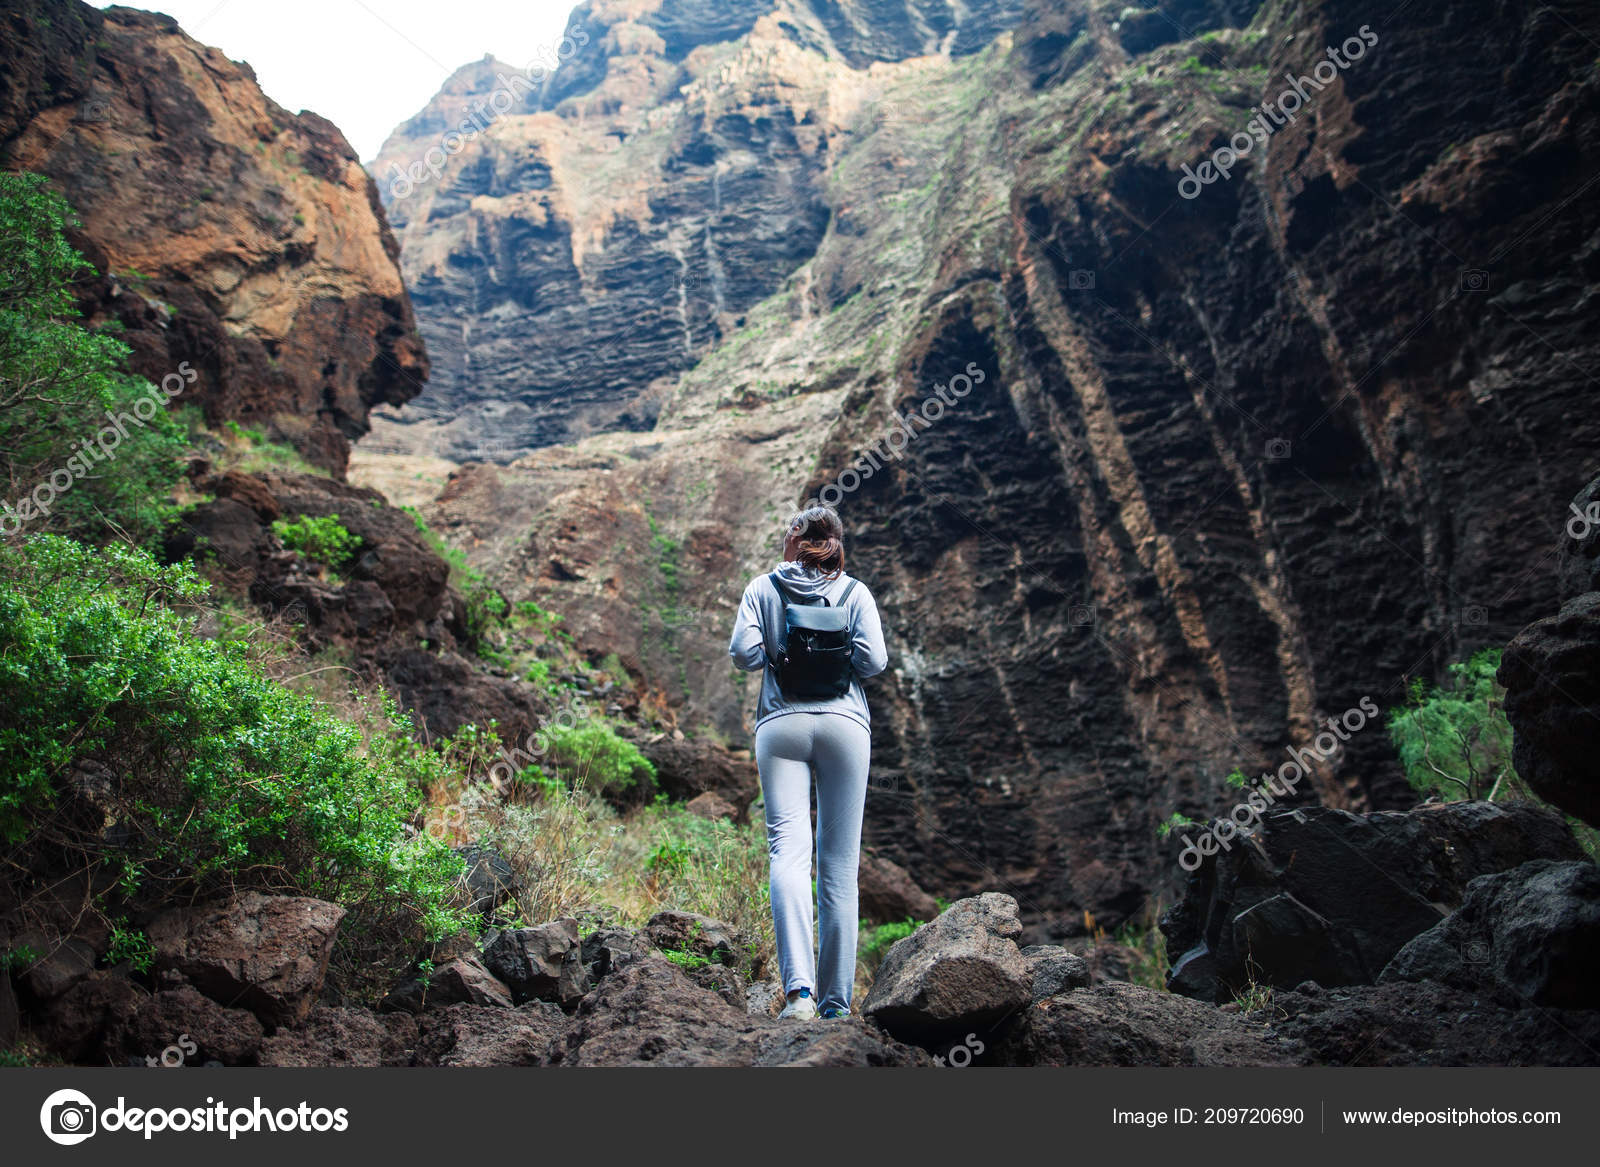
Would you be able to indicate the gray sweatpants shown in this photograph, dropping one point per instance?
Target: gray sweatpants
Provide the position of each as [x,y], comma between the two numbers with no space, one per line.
[840,748]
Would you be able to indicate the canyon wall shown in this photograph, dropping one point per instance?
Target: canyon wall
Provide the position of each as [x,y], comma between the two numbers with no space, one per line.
[1227,465]
[225,231]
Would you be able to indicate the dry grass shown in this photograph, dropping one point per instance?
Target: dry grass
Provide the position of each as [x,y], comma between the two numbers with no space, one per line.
[572,852]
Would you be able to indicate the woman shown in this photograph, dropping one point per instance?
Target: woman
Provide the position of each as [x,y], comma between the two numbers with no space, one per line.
[796,733]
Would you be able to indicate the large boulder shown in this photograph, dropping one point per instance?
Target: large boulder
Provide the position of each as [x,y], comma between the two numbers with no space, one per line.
[713,954]
[607,948]
[888,894]
[1429,1024]
[179,1026]
[1055,970]
[343,1036]
[849,1044]
[1533,932]
[1551,672]
[268,954]
[960,972]
[462,980]
[74,1026]
[687,767]
[711,806]
[1119,1024]
[468,1035]
[1328,896]
[543,963]
[1578,562]
[487,879]
[59,966]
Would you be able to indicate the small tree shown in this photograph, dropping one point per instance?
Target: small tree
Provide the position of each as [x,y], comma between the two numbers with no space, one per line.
[1454,739]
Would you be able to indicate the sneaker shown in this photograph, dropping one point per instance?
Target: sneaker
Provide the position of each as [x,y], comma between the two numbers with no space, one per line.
[834,1013]
[802,1008]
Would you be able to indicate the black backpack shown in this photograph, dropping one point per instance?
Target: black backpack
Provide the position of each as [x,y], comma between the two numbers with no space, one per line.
[814,660]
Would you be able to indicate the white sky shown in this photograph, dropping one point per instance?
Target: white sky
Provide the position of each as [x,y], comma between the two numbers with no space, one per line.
[365,65]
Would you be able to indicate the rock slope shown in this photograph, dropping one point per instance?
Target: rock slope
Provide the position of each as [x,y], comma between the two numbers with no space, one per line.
[238,981]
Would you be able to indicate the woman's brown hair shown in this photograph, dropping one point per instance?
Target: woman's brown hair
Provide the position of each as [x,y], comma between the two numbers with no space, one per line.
[821,539]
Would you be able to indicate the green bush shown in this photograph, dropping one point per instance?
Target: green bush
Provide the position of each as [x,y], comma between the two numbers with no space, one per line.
[1454,740]
[876,940]
[1455,743]
[75,454]
[213,776]
[323,539]
[589,752]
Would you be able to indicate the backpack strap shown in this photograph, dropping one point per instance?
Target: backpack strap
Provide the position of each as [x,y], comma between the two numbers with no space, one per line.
[783,597]
[845,595]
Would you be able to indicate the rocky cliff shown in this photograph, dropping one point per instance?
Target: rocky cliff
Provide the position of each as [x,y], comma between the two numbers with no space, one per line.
[227,232]
[576,240]
[1211,470]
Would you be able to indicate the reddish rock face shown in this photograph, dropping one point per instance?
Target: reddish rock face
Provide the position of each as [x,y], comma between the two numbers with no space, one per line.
[230,235]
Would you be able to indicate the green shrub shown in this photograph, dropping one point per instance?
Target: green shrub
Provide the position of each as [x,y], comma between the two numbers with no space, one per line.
[557,841]
[1455,743]
[876,940]
[214,776]
[686,960]
[19,959]
[75,455]
[130,945]
[589,752]
[711,866]
[247,449]
[485,607]
[322,539]
[1453,739]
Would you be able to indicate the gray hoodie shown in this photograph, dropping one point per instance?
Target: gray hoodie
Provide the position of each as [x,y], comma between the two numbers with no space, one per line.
[758,633]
